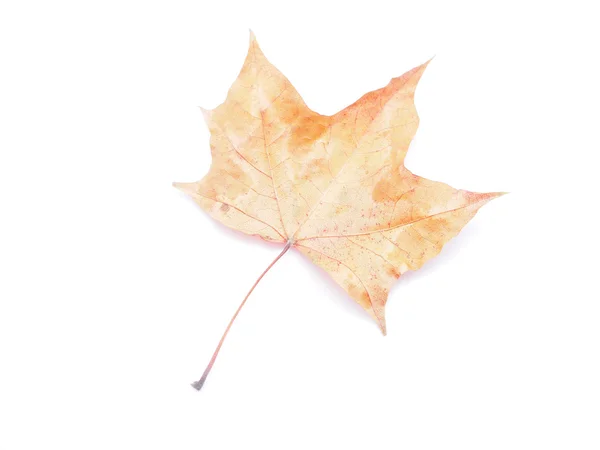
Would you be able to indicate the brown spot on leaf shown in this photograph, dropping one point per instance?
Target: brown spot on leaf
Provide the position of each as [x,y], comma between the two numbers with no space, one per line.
[360,295]
[382,191]
[305,131]
[393,272]
[394,186]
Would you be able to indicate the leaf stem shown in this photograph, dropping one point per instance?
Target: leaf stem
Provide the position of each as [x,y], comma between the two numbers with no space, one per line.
[198,384]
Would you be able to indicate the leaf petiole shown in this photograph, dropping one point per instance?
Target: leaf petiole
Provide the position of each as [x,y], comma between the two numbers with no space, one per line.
[198,384]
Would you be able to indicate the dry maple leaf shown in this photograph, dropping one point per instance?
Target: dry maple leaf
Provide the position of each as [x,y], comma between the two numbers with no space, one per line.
[333,187]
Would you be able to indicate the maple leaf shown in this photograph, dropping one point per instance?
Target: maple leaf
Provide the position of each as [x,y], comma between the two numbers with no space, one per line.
[333,187]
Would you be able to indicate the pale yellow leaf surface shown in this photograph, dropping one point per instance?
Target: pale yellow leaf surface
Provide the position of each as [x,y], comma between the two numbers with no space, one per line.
[334,187]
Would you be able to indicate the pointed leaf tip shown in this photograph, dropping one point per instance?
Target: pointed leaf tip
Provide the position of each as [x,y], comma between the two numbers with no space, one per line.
[206,114]
[253,44]
[493,195]
[187,188]
[421,68]
[382,325]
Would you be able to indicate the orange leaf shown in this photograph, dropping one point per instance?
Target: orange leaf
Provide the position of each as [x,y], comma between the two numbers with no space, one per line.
[333,187]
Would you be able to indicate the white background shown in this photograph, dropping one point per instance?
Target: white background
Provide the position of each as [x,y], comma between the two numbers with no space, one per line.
[115,288]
